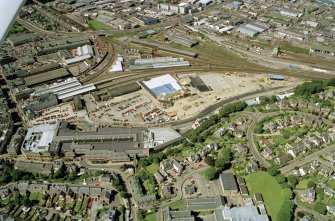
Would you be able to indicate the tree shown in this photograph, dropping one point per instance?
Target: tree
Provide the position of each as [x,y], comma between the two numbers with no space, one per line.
[141,214]
[210,161]
[273,170]
[286,134]
[26,201]
[287,193]
[285,212]
[311,184]
[292,180]
[281,179]
[211,173]
[320,208]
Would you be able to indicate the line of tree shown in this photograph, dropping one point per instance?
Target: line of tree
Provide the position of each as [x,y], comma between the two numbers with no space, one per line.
[194,135]
[313,87]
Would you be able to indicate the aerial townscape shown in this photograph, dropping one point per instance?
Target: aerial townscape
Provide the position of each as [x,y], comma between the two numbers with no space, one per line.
[168,110]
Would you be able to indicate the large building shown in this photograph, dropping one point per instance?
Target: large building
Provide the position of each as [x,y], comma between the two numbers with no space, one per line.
[37,142]
[228,183]
[240,214]
[164,87]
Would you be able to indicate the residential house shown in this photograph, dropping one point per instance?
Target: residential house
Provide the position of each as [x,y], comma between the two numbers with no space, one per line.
[221,132]
[326,171]
[283,159]
[106,196]
[308,195]
[304,170]
[240,133]
[166,191]
[4,193]
[297,151]
[95,192]
[105,179]
[331,209]
[159,177]
[271,126]
[252,166]
[193,157]
[23,187]
[35,187]
[329,192]
[268,153]
[241,149]
[296,120]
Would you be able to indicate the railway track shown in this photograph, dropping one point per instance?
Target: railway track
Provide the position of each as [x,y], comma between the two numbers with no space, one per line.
[126,78]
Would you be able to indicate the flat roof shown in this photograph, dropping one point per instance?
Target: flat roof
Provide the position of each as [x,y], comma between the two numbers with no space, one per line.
[39,138]
[240,214]
[47,76]
[162,85]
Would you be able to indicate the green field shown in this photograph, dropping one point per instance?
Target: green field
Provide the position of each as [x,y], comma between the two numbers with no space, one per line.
[302,185]
[180,205]
[280,140]
[267,185]
[288,47]
[97,25]
[150,217]
[152,168]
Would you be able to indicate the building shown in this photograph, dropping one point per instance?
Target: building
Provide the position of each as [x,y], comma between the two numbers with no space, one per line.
[205,203]
[164,87]
[251,30]
[239,213]
[182,40]
[64,90]
[16,142]
[228,183]
[308,195]
[322,50]
[41,168]
[37,142]
[154,63]
[171,215]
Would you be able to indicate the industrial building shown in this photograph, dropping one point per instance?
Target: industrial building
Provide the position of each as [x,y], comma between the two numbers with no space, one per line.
[20,39]
[46,77]
[153,63]
[322,50]
[64,43]
[65,90]
[182,40]
[161,86]
[160,137]
[251,30]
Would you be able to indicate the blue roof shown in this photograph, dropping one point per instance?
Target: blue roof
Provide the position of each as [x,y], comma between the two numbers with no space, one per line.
[276,76]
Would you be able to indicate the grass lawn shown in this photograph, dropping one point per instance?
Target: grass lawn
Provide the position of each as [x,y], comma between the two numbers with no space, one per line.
[77,206]
[302,185]
[152,168]
[288,47]
[149,186]
[150,217]
[280,140]
[180,205]
[267,185]
[84,205]
[97,25]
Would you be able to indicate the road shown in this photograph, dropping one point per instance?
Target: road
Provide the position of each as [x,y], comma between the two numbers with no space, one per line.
[307,159]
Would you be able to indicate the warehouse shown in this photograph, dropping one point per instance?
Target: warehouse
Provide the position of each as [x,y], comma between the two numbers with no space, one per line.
[182,40]
[46,77]
[251,30]
[161,86]
[77,59]
[65,89]
[153,63]
[20,39]
[276,77]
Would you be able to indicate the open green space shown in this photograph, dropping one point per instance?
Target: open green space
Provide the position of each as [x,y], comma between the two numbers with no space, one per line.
[77,206]
[289,47]
[262,182]
[302,185]
[97,25]
[150,217]
[180,205]
[152,168]
[280,140]
[84,204]
[37,197]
